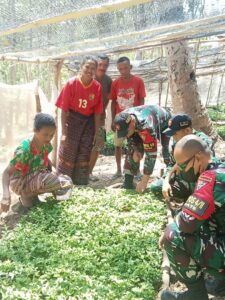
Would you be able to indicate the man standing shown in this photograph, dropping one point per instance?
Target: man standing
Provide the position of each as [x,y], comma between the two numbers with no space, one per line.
[127,91]
[105,81]
[143,125]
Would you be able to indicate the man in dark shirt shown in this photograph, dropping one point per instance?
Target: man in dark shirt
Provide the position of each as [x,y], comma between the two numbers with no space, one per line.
[105,81]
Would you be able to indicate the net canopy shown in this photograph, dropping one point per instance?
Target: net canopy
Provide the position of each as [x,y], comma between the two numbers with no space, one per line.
[64,28]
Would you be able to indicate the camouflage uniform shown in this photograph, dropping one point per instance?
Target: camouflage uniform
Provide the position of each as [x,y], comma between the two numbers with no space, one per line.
[195,242]
[151,121]
[181,188]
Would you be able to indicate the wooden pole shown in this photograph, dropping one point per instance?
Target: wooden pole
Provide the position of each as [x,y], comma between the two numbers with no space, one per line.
[56,83]
[209,90]
[167,93]
[218,96]
[196,54]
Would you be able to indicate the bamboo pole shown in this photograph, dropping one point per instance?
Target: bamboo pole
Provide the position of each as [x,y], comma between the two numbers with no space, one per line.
[218,96]
[209,90]
[167,93]
[196,54]
[57,72]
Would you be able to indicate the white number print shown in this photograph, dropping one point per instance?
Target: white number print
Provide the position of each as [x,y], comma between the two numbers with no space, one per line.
[82,103]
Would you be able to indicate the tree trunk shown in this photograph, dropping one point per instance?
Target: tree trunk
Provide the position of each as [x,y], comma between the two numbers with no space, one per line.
[184,89]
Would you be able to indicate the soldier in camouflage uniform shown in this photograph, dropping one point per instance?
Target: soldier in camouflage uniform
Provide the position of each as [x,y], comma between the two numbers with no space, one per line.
[195,242]
[180,186]
[143,125]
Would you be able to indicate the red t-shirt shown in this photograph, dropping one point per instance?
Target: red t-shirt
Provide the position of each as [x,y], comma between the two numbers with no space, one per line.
[85,100]
[127,93]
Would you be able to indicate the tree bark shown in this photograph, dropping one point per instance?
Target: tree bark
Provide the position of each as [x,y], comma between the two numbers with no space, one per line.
[184,89]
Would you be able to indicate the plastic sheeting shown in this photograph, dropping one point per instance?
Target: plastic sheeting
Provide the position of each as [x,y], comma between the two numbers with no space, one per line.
[18,108]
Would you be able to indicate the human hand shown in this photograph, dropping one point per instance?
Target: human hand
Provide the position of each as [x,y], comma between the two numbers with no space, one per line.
[141,187]
[161,241]
[166,189]
[5,203]
[113,127]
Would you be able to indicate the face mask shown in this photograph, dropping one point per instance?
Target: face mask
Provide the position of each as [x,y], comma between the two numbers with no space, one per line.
[190,175]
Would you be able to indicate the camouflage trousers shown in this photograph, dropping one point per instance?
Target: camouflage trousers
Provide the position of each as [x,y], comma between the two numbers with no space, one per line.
[192,254]
[135,143]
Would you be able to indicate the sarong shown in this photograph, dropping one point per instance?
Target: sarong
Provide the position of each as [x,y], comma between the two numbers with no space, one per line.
[74,155]
[42,181]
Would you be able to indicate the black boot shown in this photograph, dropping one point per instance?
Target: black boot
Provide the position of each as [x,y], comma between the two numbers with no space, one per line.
[215,286]
[196,291]
[128,183]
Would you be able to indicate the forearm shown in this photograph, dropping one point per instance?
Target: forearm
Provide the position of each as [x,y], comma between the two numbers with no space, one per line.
[113,110]
[5,184]
[149,164]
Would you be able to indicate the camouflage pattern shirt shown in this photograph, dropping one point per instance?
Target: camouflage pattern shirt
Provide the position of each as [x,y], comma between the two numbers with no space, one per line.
[151,121]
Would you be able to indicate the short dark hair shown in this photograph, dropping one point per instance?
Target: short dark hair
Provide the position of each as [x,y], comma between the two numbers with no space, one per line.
[192,144]
[43,120]
[89,57]
[123,59]
[103,57]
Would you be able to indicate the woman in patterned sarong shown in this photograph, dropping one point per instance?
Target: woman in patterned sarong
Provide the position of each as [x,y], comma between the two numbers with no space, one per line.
[81,105]
[29,172]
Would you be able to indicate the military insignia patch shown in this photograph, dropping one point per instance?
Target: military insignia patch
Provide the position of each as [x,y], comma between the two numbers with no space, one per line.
[91,97]
[184,123]
[200,184]
[196,205]
[202,181]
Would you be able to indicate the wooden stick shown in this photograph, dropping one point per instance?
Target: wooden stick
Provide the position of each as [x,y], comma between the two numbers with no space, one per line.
[196,54]
[208,94]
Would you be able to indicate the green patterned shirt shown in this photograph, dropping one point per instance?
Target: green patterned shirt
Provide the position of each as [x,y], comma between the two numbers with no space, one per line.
[27,160]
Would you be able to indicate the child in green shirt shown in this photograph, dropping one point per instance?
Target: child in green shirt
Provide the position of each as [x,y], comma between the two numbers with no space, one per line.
[29,172]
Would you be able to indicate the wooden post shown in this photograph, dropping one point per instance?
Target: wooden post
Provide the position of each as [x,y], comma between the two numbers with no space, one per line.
[196,54]
[56,86]
[160,87]
[167,93]
[218,96]
[209,90]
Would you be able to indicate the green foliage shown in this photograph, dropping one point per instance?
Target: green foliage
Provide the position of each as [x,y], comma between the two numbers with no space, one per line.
[109,145]
[217,113]
[221,131]
[110,140]
[100,245]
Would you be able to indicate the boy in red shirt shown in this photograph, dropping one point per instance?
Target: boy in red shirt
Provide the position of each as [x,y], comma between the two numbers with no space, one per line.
[126,91]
